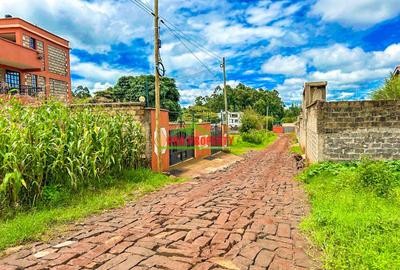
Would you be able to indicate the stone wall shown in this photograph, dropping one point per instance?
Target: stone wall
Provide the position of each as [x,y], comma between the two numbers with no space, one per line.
[355,129]
[58,89]
[350,130]
[57,60]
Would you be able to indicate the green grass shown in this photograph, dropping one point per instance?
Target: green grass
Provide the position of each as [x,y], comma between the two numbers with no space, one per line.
[354,226]
[48,218]
[240,147]
[296,149]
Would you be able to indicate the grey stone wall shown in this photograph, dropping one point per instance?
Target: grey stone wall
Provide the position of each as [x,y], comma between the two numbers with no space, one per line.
[57,60]
[356,129]
[351,130]
[58,89]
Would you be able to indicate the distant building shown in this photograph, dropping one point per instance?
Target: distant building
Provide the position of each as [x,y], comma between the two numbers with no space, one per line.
[397,71]
[33,61]
[234,119]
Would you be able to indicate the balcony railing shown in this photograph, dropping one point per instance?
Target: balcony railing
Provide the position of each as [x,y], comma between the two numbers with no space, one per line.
[23,90]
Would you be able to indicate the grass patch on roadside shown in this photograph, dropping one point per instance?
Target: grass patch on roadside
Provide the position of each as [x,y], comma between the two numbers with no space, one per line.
[62,206]
[355,217]
[240,147]
[296,149]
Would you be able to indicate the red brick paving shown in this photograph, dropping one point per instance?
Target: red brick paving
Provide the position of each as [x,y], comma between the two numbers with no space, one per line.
[244,217]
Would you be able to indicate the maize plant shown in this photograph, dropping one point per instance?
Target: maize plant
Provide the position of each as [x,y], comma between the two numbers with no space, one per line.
[55,145]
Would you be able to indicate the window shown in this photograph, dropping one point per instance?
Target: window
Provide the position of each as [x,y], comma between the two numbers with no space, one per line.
[32,43]
[34,80]
[12,79]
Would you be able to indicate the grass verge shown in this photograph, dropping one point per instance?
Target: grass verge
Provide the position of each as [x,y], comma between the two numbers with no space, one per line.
[64,207]
[354,223]
[240,147]
[296,149]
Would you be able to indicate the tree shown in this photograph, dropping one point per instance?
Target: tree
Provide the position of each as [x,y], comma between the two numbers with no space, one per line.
[251,121]
[81,92]
[390,90]
[243,97]
[130,88]
[291,114]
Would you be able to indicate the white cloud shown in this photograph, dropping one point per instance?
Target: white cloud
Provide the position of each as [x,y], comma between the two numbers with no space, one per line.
[93,26]
[288,65]
[338,77]
[225,33]
[339,56]
[266,12]
[96,76]
[356,13]
[291,89]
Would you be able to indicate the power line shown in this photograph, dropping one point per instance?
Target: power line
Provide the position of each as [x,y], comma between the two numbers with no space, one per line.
[179,32]
[188,39]
[142,6]
[190,50]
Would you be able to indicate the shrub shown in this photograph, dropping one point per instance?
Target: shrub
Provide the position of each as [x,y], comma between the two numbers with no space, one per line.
[254,136]
[54,145]
[250,121]
[378,176]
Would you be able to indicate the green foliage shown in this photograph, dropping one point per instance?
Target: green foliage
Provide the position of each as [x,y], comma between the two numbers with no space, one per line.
[197,112]
[296,149]
[130,88]
[81,92]
[250,121]
[11,186]
[378,176]
[243,97]
[63,205]
[390,90]
[53,145]
[254,136]
[291,114]
[239,146]
[355,217]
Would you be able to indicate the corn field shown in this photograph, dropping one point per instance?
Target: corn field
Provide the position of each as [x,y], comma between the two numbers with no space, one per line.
[55,145]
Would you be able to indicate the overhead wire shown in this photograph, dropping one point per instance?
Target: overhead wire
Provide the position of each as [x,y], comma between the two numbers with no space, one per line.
[183,35]
[180,36]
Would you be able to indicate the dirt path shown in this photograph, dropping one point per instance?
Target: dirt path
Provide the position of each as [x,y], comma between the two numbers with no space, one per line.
[245,217]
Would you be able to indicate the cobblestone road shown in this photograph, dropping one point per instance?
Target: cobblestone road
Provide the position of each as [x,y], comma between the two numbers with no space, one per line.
[245,217]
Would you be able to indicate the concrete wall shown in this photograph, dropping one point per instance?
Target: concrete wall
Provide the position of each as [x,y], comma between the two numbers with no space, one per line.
[350,130]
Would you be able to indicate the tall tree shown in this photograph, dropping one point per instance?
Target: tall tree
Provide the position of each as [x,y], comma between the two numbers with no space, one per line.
[81,92]
[243,97]
[130,88]
[390,90]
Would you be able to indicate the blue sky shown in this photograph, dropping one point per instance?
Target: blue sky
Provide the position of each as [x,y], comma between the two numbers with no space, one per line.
[268,44]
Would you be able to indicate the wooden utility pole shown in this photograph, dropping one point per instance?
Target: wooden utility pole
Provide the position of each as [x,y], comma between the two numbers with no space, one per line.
[267,117]
[157,84]
[225,99]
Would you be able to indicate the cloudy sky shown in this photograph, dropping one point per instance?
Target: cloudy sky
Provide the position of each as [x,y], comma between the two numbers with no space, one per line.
[352,44]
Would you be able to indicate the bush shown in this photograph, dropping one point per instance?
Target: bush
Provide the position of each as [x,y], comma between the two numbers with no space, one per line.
[378,176]
[52,145]
[250,121]
[254,136]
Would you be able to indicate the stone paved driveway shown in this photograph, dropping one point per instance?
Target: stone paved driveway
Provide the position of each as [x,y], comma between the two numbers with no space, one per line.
[245,217]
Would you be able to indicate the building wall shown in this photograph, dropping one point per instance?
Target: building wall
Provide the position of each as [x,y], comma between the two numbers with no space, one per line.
[351,130]
[55,56]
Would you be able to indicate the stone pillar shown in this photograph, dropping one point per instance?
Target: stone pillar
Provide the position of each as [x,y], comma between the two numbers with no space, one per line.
[314,91]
